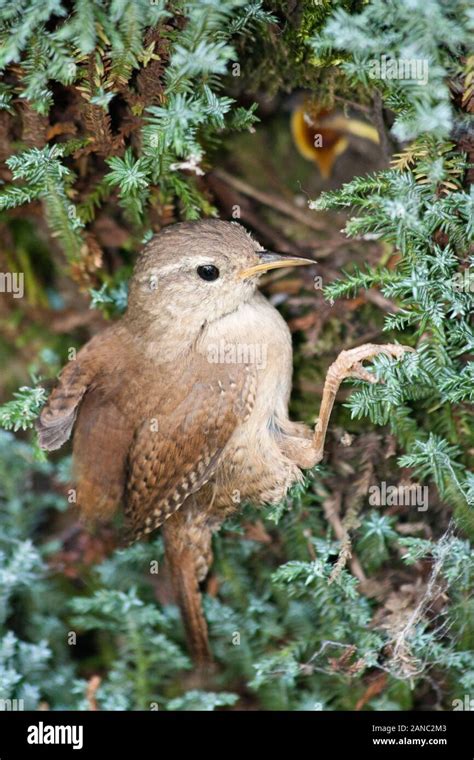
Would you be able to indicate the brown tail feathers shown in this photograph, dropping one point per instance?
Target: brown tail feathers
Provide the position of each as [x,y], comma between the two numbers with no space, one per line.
[182,564]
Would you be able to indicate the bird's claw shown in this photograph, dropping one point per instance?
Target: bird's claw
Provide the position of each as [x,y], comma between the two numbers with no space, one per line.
[349,363]
[361,373]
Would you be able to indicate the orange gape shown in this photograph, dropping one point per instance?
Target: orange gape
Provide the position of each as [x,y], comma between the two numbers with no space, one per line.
[321,135]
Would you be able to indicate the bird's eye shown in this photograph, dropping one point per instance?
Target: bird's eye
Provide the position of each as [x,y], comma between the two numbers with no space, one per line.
[208,272]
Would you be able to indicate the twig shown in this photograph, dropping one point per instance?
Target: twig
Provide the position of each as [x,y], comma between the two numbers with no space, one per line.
[402,658]
[92,686]
[352,103]
[379,122]
[331,508]
[374,296]
[273,201]
[370,444]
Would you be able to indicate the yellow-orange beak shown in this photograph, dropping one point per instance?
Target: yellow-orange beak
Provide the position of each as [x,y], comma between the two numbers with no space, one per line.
[269,260]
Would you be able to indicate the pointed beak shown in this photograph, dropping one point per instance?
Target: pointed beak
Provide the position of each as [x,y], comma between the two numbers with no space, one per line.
[269,260]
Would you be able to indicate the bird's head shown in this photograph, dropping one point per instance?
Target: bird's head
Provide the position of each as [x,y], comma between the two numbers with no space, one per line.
[197,272]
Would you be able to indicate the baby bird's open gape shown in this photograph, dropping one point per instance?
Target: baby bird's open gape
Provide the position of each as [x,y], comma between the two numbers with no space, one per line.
[167,425]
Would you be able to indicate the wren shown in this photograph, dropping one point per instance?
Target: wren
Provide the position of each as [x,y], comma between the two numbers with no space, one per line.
[173,416]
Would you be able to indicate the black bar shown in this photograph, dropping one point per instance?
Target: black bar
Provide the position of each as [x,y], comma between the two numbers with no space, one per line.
[387,734]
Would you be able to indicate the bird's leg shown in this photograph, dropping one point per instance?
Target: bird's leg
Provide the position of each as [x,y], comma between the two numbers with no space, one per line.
[347,364]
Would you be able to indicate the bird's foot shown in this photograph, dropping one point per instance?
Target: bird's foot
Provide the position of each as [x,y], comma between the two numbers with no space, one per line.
[349,363]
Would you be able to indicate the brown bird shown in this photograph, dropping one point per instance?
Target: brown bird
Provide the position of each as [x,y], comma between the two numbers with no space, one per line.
[180,408]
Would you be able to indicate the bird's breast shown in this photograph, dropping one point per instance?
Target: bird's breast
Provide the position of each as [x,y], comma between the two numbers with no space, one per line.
[257,335]
[253,465]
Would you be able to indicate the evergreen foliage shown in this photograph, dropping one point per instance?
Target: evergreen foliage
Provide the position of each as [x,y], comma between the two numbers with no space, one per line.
[122,105]
[422,206]
[109,54]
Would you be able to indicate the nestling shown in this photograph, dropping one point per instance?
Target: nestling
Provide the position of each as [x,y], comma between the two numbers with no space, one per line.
[321,136]
[173,435]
